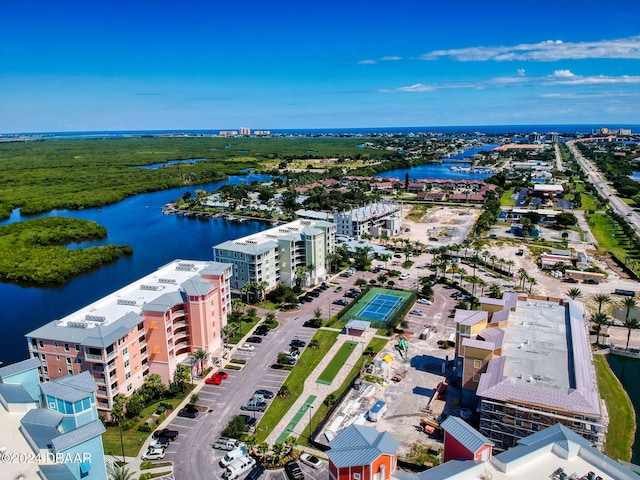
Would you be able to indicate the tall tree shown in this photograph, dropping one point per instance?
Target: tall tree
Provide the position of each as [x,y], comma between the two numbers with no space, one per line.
[630,323]
[200,356]
[600,319]
[601,299]
[574,293]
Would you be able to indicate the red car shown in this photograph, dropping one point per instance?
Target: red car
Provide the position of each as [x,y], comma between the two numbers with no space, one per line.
[221,374]
[213,380]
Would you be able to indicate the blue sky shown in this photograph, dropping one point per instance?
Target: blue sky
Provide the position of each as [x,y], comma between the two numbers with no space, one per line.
[143,64]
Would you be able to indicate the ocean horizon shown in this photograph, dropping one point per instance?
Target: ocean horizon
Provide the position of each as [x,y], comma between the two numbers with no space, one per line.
[564,129]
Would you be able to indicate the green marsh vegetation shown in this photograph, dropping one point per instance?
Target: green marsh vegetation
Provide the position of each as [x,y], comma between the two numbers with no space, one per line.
[35,251]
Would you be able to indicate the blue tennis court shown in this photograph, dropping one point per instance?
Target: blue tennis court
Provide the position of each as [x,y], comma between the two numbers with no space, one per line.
[380,307]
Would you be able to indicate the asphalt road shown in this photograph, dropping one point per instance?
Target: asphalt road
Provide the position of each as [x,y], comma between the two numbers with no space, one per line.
[595,177]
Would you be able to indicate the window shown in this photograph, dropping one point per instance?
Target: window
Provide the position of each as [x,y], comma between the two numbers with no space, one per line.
[476,378]
[57,357]
[55,344]
[66,347]
[129,387]
[126,363]
[128,375]
[79,360]
[477,364]
[356,476]
[77,347]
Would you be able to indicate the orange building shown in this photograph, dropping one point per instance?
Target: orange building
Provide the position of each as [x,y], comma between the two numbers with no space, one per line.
[152,325]
[362,453]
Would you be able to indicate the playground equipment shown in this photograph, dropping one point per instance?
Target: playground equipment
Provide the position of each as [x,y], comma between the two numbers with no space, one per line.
[403,348]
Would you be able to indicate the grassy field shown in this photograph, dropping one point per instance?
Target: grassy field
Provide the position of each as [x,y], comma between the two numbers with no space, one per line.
[295,382]
[611,238]
[588,203]
[336,363]
[506,200]
[621,415]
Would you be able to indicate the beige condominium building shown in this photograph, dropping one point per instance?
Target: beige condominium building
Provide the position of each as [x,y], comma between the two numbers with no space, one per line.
[295,252]
[376,219]
[526,363]
[152,325]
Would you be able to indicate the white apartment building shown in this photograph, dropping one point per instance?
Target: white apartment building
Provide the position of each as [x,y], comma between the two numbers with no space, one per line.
[376,219]
[290,253]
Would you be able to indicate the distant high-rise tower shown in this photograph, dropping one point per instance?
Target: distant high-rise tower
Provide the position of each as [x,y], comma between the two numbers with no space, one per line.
[245,131]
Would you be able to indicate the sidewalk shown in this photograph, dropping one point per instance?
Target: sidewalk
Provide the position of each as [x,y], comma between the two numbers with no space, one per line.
[318,390]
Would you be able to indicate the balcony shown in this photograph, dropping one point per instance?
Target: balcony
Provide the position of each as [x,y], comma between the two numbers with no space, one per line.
[180,323]
[178,313]
[179,335]
[93,358]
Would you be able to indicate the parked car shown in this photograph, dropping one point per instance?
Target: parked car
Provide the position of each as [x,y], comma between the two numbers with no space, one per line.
[424,301]
[225,443]
[338,289]
[213,380]
[247,347]
[221,374]
[569,280]
[160,442]
[262,330]
[404,276]
[293,471]
[252,406]
[345,274]
[340,301]
[417,313]
[190,411]
[298,343]
[314,293]
[249,420]
[165,432]
[591,281]
[265,393]
[254,340]
[255,473]
[312,461]
[153,454]
[313,323]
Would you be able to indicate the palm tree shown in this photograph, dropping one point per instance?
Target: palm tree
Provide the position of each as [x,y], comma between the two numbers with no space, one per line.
[200,356]
[599,319]
[629,322]
[119,472]
[600,299]
[483,284]
[317,314]
[574,293]
[117,414]
[532,282]
[510,263]
[522,273]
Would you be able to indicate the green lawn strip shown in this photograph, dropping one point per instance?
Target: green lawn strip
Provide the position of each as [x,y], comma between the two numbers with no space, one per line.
[376,344]
[336,363]
[286,433]
[506,200]
[621,414]
[606,232]
[295,382]
[131,436]
[587,202]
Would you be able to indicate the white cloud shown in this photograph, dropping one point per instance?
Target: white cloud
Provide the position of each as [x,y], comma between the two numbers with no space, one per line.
[521,72]
[367,62]
[545,51]
[557,78]
[390,59]
[563,74]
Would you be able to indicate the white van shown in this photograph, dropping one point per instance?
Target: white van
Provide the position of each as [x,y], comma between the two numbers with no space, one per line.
[238,467]
[232,456]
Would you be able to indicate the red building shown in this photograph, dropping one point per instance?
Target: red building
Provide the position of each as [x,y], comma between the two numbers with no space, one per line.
[362,453]
[463,442]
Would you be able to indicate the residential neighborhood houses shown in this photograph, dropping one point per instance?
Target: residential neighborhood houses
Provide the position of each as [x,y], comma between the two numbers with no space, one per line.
[516,394]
